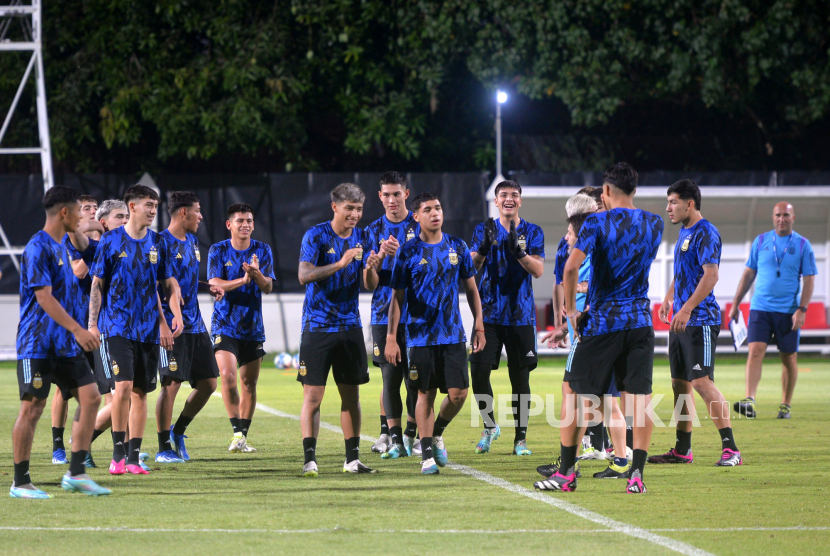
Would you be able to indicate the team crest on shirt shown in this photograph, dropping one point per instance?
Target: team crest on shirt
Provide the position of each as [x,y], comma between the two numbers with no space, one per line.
[154,255]
[685,246]
[359,256]
[174,366]
[302,370]
[453,257]
[413,373]
[410,234]
[522,242]
[198,255]
[115,369]
[37,382]
[377,350]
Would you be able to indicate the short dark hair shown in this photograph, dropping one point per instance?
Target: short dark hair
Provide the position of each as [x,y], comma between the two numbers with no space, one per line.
[508,184]
[239,207]
[393,178]
[58,196]
[347,192]
[686,190]
[181,199]
[421,199]
[594,193]
[138,192]
[622,176]
[577,220]
[87,199]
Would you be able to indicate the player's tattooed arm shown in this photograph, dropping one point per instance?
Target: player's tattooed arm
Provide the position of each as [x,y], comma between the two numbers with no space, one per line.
[704,288]
[55,310]
[96,294]
[393,351]
[474,300]
[309,273]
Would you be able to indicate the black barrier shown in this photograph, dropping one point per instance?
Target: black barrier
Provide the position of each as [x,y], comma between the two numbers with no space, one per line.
[285,206]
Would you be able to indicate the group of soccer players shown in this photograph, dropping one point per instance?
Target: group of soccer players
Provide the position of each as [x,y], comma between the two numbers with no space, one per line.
[128,298]
[108,306]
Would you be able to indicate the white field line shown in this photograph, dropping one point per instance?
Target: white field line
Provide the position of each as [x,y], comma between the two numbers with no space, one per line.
[608,523]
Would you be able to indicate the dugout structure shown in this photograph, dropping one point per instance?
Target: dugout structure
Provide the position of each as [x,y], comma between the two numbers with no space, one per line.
[739,213]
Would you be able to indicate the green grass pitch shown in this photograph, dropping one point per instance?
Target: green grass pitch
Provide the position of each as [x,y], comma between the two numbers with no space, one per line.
[776,503]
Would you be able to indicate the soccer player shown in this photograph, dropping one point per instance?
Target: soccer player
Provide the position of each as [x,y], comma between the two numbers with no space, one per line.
[331,266]
[49,344]
[695,324]
[779,259]
[81,245]
[385,236]
[510,252]
[191,358]
[129,266]
[615,337]
[244,268]
[112,214]
[426,277]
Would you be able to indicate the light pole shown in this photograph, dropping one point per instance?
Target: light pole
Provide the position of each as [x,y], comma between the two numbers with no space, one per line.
[501,98]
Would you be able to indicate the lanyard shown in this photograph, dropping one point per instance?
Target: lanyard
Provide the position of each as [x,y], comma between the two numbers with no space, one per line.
[775,252]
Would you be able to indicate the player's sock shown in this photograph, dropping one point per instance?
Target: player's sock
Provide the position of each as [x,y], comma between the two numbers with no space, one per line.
[57,438]
[683,442]
[352,449]
[638,462]
[606,440]
[396,434]
[621,462]
[235,424]
[426,448]
[21,473]
[384,426]
[164,441]
[76,463]
[134,450]
[181,424]
[596,436]
[629,437]
[119,448]
[727,439]
[520,386]
[95,434]
[244,426]
[440,425]
[568,462]
[309,449]
[411,429]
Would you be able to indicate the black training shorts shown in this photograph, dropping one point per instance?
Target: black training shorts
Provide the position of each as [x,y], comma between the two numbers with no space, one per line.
[518,341]
[692,352]
[441,367]
[627,355]
[191,359]
[135,361]
[344,353]
[245,351]
[379,344]
[36,376]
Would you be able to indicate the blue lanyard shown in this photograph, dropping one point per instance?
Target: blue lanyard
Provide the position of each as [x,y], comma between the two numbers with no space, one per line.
[775,252]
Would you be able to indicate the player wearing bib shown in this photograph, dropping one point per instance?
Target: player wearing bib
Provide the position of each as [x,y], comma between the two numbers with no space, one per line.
[510,252]
[426,275]
[244,269]
[614,338]
[332,257]
[695,325]
[49,345]
[385,236]
[191,358]
[129,266]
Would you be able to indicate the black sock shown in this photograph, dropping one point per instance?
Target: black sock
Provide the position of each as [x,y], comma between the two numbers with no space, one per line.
[568,461]
[352,449]
[596,436]
[76,463]
[134,450]
[309,449]
[235,424]
[21,473]
[396,434]
[384,426]
[440,425]
[606,440]
[181,424]
[426,448]
[638,462]
[519,434]
[684,442]
[164,441]
[629,437]
[119,450]
[95,434]
[727,439]
[244,426]
[57,438]
[411,429]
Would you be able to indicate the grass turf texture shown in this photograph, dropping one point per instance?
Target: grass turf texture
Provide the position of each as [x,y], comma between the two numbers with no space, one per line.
[781,484]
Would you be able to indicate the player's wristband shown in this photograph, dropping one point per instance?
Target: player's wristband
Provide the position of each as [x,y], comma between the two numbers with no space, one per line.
[571,316]
[479,330]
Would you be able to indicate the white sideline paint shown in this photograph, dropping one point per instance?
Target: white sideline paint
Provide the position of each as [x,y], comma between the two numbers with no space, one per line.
[608,523]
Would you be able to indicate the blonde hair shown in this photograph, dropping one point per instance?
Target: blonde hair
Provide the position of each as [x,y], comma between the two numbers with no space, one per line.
[580,204]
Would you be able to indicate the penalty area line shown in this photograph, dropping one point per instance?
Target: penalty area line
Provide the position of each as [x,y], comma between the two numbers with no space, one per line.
[606,522]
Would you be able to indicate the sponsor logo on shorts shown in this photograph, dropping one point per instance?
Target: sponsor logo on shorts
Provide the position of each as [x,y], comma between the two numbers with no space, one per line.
[259,346]
[38,381]
[115,369]
[685,246]
[413,373]
[453,257]
[377,351]
[696,367]
[174,365]
[530,354]
[154,255]
[302,369]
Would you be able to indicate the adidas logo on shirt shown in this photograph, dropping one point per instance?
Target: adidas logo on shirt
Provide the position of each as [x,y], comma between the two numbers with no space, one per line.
[228,263]
[178,255]
[122,255]
[330,251]
[423,261]
[696,367]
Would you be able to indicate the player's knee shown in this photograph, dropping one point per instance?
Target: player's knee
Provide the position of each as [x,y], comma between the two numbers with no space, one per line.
[249,384]
[207,386]
[33,410]
[457,397]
